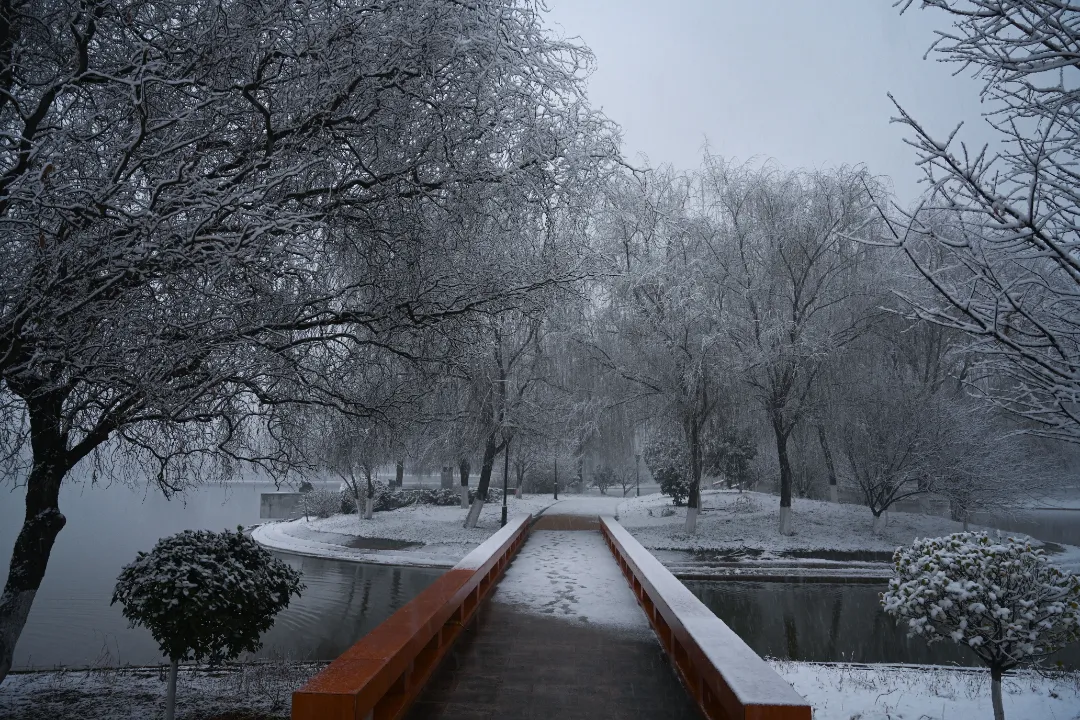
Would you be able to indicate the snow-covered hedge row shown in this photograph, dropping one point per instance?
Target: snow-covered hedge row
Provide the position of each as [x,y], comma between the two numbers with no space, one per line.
[392,498]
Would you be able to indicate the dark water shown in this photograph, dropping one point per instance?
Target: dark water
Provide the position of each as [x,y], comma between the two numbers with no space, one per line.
[71,622]
[827,622]
[1059,526]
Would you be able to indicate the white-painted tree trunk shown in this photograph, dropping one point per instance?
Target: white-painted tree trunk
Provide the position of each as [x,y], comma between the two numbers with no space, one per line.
[474,512]
[170,693]
[464,497]
[369,508]
[834,494]
[691,519]
[785,521]
[517,493]
[880,521]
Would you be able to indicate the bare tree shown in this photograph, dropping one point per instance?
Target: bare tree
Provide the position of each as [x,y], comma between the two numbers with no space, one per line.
[794,282]
[503,369]
[208,208]
[659,336]
[997,231]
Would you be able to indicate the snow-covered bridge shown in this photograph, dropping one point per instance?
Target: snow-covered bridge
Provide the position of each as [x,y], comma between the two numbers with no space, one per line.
[584,623]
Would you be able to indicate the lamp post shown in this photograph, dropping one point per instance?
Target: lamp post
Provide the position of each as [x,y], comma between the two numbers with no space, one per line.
[556,478]
[637,472]
[506,471]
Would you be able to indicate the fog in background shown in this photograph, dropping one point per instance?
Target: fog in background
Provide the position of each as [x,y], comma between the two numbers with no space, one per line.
[803,83]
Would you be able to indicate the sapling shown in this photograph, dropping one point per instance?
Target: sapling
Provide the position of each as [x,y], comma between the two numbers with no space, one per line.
[1000,598]
[205,596]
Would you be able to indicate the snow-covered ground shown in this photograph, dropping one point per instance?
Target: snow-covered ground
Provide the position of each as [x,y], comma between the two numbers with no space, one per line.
[571,575]
[585,505]
[740,521]
[899,692]
[443,540]
[262,690]
[836,692]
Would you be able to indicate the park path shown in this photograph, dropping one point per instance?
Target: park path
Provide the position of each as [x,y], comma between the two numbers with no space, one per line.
[561,637]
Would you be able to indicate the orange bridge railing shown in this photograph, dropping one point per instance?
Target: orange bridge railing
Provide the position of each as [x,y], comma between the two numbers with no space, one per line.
[381,675]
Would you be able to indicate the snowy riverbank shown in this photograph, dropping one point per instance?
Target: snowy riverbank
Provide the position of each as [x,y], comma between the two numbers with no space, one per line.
[256,690]
[744,527]
[434,535]
[736,535]
[837,691]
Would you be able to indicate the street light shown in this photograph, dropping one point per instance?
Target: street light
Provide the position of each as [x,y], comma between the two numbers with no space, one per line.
[637,472]
[556,478]
[506,471]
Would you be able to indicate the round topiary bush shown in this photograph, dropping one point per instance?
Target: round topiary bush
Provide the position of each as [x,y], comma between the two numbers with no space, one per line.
[205,596]
[1001,599]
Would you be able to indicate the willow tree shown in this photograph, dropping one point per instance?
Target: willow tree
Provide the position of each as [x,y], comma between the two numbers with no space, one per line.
[658,332]
[208,207]
[794,281]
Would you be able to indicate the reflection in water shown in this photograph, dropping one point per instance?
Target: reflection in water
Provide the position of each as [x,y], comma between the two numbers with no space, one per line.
[827,622]
[342,603]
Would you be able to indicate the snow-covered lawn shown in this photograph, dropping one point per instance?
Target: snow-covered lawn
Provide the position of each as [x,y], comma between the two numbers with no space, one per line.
[439,530]
[906,692]
[262,690]
[750,520]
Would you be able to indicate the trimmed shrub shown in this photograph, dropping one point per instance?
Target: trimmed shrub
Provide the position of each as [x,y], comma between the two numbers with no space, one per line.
[322,503]
[348,502]
[205,596]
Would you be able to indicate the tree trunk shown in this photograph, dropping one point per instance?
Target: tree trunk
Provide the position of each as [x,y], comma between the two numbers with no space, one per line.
[463,469]
[693,495]
[491,449]
[369,499]
[399,473]
[42,522]
[830,466]
[785,478]
[995,693]
[170,692]
[879,523]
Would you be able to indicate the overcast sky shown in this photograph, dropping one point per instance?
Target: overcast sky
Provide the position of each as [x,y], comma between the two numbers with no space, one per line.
[803,82]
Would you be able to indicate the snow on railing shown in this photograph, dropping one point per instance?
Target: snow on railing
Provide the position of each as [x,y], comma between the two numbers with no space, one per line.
[383,673]
[726,678]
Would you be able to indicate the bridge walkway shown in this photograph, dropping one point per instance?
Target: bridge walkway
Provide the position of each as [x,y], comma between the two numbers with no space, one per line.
[562,636]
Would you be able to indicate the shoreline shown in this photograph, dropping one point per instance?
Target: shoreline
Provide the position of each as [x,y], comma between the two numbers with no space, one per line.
[263,689]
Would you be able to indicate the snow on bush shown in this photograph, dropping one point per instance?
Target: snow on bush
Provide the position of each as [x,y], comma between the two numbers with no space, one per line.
[391,497]
[206,595]
[1001,599]
[348,501]
[322,503]
[665,458]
